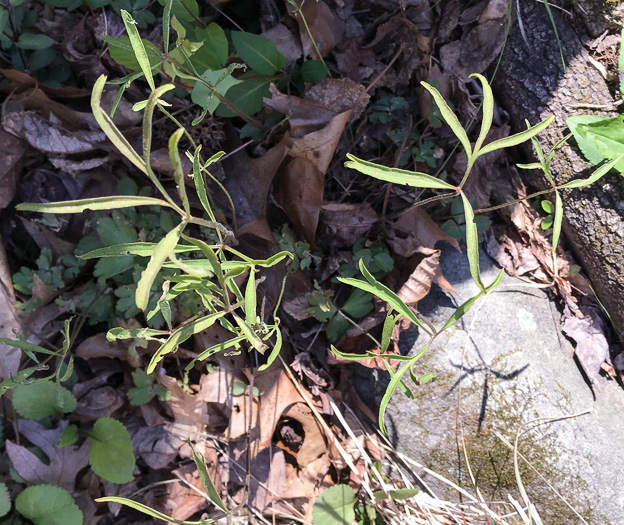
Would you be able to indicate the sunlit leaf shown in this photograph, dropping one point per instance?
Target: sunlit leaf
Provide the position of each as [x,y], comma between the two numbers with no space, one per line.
[98,203]
[450,118]
[487,111]
[472,242]
[557,220]
[516,139]
[138,47]
[397,176]
[162,251]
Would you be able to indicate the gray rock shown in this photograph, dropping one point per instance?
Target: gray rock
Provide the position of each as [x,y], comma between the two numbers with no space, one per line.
[504,364]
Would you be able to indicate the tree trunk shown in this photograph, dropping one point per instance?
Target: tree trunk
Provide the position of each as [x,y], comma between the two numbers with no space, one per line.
[531,84]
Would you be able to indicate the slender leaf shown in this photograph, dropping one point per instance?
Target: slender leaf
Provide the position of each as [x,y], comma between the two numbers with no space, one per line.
[472,241]
[368,355]
[600,172]
[174,155]
[207,483]
[463,309]
[383,292]
[450,118]
[621,64]
[152,512]
[142,249]
[181,334]
[111,131]
[388,328]
[558,218]
[554,26]
[98,203]
[251,300]
[397,176]
[220,347]
[138,47]
[198,179]
[166,23]
[163,249]
[516,139]
[275,352]
[488,111]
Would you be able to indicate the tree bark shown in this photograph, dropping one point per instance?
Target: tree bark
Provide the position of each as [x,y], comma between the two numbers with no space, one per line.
[531,84]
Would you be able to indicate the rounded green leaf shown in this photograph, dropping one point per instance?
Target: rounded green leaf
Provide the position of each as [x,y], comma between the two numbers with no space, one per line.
[68,437]
[33,41]
[5,500]
[48,505]
[42,399]
[259,53]
[247,96]
[336,506]
[111,454]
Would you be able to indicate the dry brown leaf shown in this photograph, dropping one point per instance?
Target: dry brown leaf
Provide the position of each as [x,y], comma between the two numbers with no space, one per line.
[321,22]
[340,95]
[592,347]
[304,116]
[9,321]
[286,42]
[419,282]
[314,443]
[299,185]
[354,61]
[415,228]
[64,462]
[348,221]
[249,181]
[96,398]
[10,165]
[154,445]
[98,346]
[182,500]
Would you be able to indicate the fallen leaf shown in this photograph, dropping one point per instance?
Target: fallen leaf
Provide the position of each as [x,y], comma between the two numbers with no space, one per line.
[156,446]
[96,398]
[414,228]
[348,221]
[11,155]
[321,24]
[182,500]
[419,282]
[314,443]
[299,184]
[340,95]
[64,463]
[592,347]
[98,346]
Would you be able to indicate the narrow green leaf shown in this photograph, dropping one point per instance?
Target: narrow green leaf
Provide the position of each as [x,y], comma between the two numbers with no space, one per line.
[532,166]
[111,131]
[259,53]
[397,176]
[220,347]
[135,333]
[396,495]
[558,218]
[138,47]
[263,263]
[383,292]
[166,23]
[472,242]
[554,26]
[162,251]
[463,309]
[181,334]
[152,512]
[388,327]
[516,139]
[121,51]
[599,173]
[207,483]
[98,203]
[488,111]
[200,188]
[251,301]
[367,355]
[275,352]
[142,249]
[450,118]
[621,64]
[147,138]
[250,335]
[176,162]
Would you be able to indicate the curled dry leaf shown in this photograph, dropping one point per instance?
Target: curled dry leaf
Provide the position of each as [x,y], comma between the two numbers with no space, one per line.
[340,95]
[314,443]
[426,272]
[155,445]
[64,463]
[96,398]
[413,229]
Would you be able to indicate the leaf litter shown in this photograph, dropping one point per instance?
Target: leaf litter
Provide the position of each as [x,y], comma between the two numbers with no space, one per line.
[286,431]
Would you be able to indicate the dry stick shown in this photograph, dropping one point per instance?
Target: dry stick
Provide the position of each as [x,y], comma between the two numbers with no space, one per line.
[385,69]
[329,432]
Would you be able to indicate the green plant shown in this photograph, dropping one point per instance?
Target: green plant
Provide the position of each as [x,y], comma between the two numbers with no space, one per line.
[398,308]
[456,226]
[145,389]
[302,256]
[601,138]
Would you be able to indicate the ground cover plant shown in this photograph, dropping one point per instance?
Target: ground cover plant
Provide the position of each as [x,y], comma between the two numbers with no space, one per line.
[217,280]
